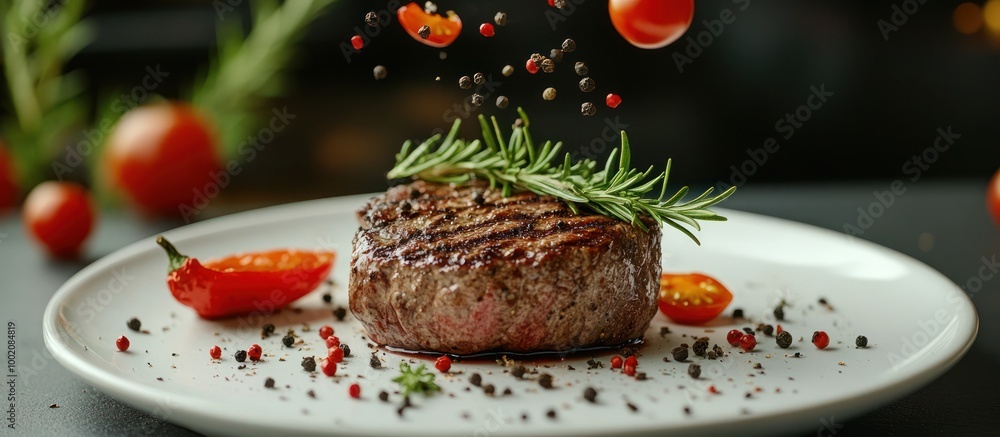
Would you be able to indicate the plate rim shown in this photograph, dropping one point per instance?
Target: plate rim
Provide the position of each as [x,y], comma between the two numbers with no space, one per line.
[190,411]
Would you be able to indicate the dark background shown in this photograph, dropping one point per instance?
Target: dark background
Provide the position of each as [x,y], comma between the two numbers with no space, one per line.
[889,96]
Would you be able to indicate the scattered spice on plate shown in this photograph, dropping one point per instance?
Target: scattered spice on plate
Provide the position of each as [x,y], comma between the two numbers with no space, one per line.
[784,339]
[240,355]
[288,340]
[518,371]
[269,383]
[820,339]
[632,407]
[340,313]
[354,391]
[694,370]
[664,330]
[545,380]
[476,379]
[551,414]
[327,298]
[346,349]
[134,324]
[215,352]
[768,330]
[779,312]
[489,389]
[375,362]
[309,364]
[700,346]
[590,395]
[267,330]
[861,341]
[748,342]
[679,353]
[254,352]
[383,396]
[640,376]
[738,313]
[122,343]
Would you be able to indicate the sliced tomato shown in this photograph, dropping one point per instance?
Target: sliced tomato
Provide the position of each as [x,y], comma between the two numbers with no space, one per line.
[692,298]
[444,30]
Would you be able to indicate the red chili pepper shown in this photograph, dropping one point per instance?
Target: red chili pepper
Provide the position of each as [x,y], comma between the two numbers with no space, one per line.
[243,283]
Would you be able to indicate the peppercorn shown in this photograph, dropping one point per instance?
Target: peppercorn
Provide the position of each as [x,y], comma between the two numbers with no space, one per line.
[548,65]
[346,349]
[327,298]
[254,352]
[779,312]
[822,301]
[380,72]
[694,370]
[569,45]
[465,82]
[640,376]
[478,99]
[424,31]
[711,355]
[489,389]
[587,85]
[215,352]
[374,362]
[556,55]
[267,330]
[748,342]
[478,78]
[549,93]
[507,70]
[784,339]
[288,340]
[122,343]
[559,4]
[551,414]
[616,362]
[354,391]
[700,346]
[240,355]
[383,396]
[590,395]
[269,383]
[372,19]
[748,330]
[861,341]
[768,330]
[476,379]
[738,313]
[500,18]
[545,380]
[309,364]
[502,103]
[518,371]
[588,109]
[339,313]
[679,353]
[820,339]
[134,324]
[581,68]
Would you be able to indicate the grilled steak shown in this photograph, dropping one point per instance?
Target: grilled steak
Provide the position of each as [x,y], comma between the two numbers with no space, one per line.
[463,270]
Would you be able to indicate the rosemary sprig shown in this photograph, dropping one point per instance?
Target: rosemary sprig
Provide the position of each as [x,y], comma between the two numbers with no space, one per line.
[615,190]
[415,380]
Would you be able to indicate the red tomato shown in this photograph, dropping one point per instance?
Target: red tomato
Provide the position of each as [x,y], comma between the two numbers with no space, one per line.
[8,181]
[444,30]
[993,197]
[59,215]
[161,156]
[692,298]
[651,24]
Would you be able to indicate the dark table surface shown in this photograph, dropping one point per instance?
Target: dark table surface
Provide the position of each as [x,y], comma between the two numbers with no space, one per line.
[943,224]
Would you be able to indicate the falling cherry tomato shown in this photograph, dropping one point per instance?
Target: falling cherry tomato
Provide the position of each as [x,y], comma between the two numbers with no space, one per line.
[444,30]
[651,24]
[993,197]
[692,299]
[357,42]
[59,215]
[613,100]
[487,30]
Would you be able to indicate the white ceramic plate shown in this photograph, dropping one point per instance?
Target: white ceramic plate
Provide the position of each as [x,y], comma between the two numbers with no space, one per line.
[918,324]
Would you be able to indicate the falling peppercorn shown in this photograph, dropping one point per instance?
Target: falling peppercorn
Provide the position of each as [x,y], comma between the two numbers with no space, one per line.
[478,99]
[549,93]
[288,340]
[556,55]
[861,341]
[588,108]
[779,312]
[372,19]
[424,31]
[581,68]
[548,65]
[380,72]
[679,353]
[134,324]
[507,70]
[478,78]
[240,355]
[587,85]
[500,18]
[465,82]
[768,330]
[569,45]
[502,102]
[694,370]
[309,364]
[784,339]
[590,395]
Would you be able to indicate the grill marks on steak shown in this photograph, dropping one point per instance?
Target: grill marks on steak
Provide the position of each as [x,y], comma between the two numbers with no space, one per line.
[463,270]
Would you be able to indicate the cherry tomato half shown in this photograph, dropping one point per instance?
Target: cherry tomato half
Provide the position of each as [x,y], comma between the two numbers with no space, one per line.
[651,24]
[993,197]
[59,215]
[693,298]
[161,156]
[444,30]
[8,181]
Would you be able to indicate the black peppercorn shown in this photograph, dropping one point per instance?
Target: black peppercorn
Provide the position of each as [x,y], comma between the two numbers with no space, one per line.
[590,395]
[588,108]
[500,18]
[640,376]
[269,383]
[768,330]
[738,313]
[711,355]
[569,45]
[861,341]
[779,312]
[476,379]
[424,32]
[559,3]
[545,380]
[784,339]
[700,346]
[374,362]
[339,313]
[581,68]
[537,59]
[748,330]
[309,364]
[383,396]
[134,324]
[478,78]
[478,99]
[489,389]
[556,55]
[548,65]
[551,414]
[267,330]
[346,349]
[372,19]
[587,85]
[240,355]
[694,370]
[518,371]
[679,353]
[288,340]
[327,297]
[465,82]
[502,102]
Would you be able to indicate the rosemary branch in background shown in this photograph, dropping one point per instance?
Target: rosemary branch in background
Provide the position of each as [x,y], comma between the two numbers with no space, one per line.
[45,100]
[249,70]
[616,190]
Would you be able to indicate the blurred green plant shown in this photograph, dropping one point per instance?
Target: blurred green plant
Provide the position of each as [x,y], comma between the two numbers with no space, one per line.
[249,70]
[39,37]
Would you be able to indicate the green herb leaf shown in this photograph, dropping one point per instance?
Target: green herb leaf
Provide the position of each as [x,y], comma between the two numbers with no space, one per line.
[417,380]
[617,190]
